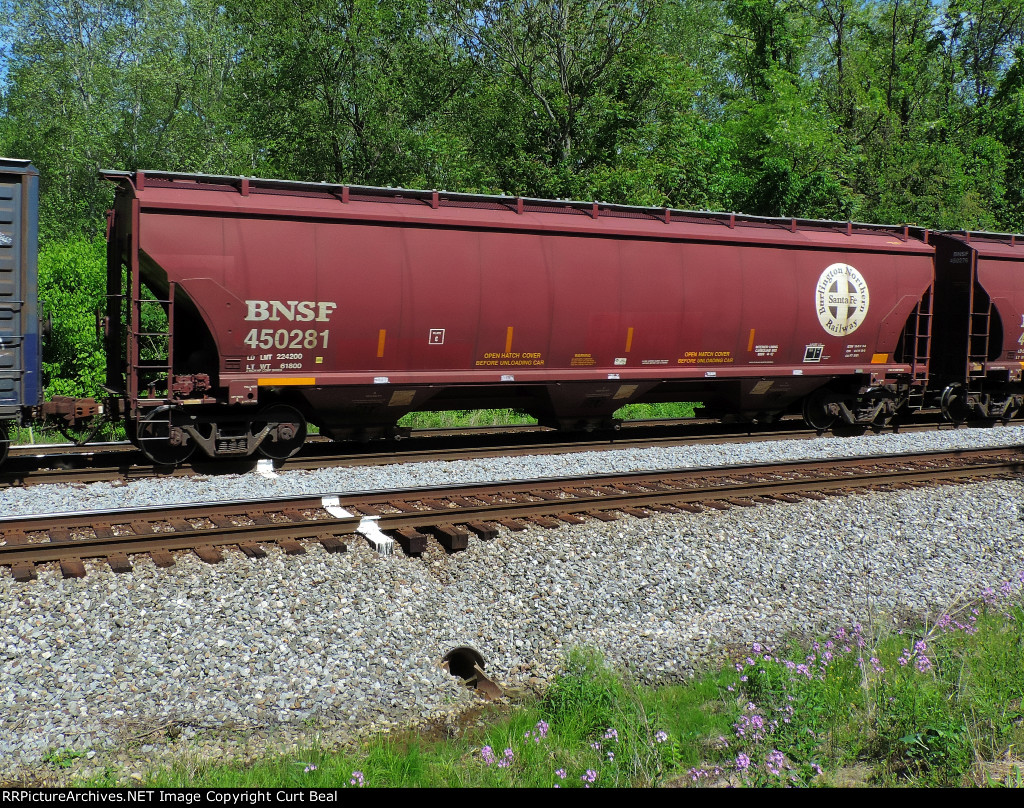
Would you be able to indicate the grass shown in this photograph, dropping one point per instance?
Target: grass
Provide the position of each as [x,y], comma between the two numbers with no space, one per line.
[453,419]
[938,706]
[46,435]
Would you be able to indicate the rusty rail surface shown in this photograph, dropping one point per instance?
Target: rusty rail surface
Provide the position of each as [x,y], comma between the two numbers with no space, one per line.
[411,517]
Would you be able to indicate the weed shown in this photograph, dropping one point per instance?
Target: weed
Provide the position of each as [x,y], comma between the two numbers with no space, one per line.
[63,758]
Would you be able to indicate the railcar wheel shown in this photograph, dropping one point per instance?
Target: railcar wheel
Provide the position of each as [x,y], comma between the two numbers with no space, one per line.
[287,431]
[161,441]
[5,443]
[954,404]
[80,436]
[816,414]
[877,396]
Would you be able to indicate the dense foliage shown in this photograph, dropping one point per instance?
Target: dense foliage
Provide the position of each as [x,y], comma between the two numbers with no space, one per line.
[891,110]
[875,110]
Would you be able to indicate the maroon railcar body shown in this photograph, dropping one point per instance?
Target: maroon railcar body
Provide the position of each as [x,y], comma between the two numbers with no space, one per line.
[354,306]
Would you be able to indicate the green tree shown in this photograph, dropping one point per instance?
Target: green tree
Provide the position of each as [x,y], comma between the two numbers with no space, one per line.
[352,91]
[113,84]
[72,280]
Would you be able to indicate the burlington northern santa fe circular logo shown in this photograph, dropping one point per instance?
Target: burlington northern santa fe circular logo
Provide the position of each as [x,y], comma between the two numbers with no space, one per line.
[841,299]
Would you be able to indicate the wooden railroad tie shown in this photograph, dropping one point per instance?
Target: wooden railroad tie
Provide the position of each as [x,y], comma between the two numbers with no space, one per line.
[412,541]
[119,562]
[402,506]
[291,546]
[23,571]
[452,538]
[332,543]
[484,530]
[544,521]
[12,537]
[162,558]
[72,568]
[208,553]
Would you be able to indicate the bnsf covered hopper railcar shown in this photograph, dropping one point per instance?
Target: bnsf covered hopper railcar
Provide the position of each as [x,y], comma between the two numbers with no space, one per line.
[348,307]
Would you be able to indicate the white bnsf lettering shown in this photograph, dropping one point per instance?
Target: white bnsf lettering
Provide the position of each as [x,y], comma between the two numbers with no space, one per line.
[298,311]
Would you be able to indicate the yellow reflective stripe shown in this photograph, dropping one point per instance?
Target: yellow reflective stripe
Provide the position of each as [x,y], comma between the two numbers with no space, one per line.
[278,381]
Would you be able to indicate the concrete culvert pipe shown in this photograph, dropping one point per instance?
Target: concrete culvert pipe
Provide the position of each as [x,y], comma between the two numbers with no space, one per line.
[468,664]
[463,662]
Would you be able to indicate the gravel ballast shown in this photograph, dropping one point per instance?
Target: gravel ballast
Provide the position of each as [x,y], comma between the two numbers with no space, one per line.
[169,490]
[224,660]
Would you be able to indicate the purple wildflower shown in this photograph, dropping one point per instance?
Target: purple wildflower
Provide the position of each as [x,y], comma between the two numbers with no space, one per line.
[774,761]
[661,736]
[357,779]
[742,762]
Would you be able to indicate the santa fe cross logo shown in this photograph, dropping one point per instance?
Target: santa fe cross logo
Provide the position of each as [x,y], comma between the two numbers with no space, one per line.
[841,299]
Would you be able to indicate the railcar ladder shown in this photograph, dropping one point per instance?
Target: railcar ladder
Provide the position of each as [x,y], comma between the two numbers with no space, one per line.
[151,378]
[977,350]
[919,335]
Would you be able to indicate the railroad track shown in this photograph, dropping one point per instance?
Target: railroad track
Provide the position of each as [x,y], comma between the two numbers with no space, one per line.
[411,518]
[34,465]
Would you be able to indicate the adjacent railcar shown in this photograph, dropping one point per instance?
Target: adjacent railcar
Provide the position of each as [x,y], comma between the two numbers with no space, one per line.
[20,356]
[978,351]
[348,307]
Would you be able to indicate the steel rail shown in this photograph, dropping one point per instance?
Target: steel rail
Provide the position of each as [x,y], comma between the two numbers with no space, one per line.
[518,500]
